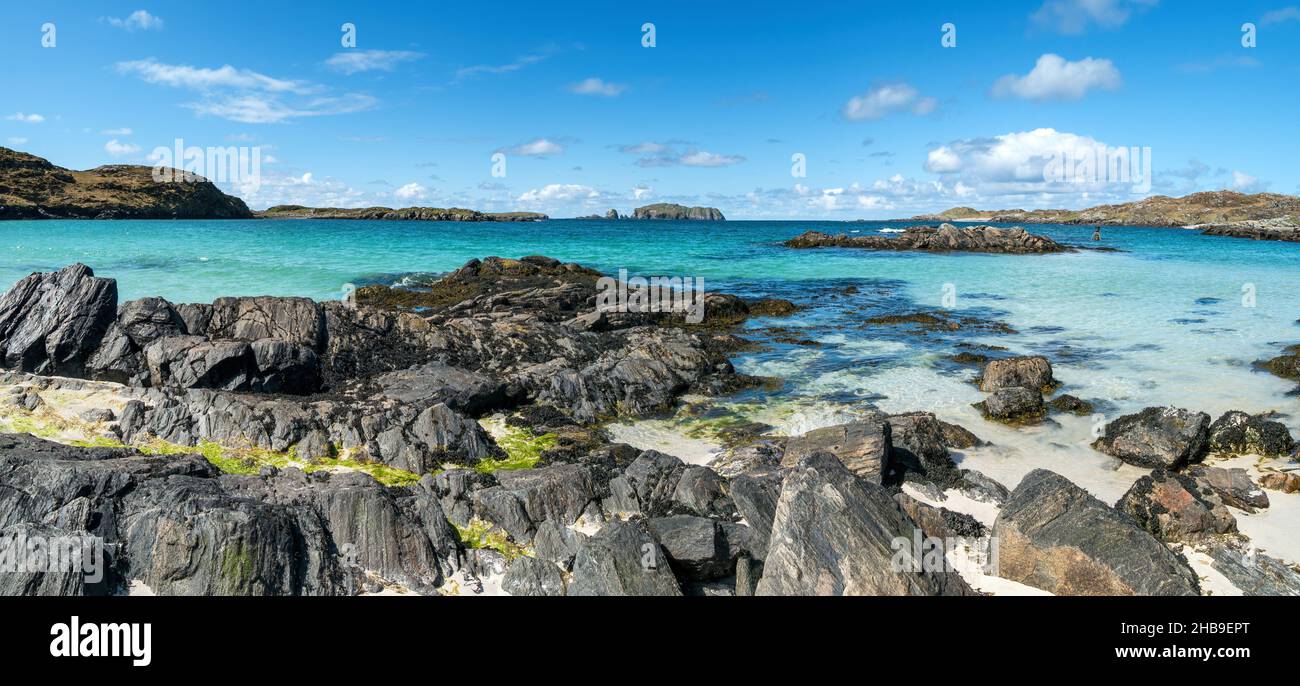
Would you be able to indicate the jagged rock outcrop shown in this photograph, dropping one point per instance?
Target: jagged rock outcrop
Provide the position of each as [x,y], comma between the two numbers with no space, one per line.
[180,527]
[837,534]
[1157,437]
[51,323]
[1053,535]
[622,559]
[32,188]
[944,238]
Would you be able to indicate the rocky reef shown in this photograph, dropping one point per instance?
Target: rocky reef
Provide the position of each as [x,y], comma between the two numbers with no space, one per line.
[33,188]
[666,210]
[943,238]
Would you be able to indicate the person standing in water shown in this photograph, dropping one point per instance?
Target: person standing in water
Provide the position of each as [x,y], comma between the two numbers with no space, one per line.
[1096,234]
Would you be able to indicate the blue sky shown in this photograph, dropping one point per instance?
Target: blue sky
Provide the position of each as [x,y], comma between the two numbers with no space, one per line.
[889,121]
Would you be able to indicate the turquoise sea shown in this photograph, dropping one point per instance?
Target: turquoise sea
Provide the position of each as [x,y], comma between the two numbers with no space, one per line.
[1174,318]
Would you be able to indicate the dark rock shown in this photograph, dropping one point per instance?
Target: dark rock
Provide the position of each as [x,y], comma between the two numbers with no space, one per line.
[51,323]
[762,456]
[1176,507]
[756,497]
[556,543]
[919,445]
[647,485]
[1011,372]
[461,390]
[1053,535]
[978,486]
[530,576]
[864,447]
[694,547]
[1014,405]
[703,492]
[1071,405]
[835,534]
[943,238]
[622,559]
[98,414]
[940,522]
[1233,486]
[1254,573]
[1238,433]
[1157,437]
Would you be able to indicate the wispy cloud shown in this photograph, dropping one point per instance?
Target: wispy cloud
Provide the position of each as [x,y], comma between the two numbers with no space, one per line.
[244,95]
[117,149]
[495,69]
[538,147]
[1279,16]
[17,140]
[116,132]
[202,78]
[354,61]
[596,86]
[673,153]
[1055,78]
[1073,17]
[26,118]
[138,20]
[886,99]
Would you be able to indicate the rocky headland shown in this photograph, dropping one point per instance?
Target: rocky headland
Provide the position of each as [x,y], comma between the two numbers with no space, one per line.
[1261,216]
[943,238]
[33,188]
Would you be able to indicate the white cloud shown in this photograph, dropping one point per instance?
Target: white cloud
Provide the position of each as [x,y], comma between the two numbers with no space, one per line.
[17,140]
[557,192]
[1278,16]
[595,86]
[1012,158]
[1246,183]
[353,61]
[1076,16]
[26,118]
[138,20]
[538,147]
[117,149]
[701,158]
[202,78]
[646,148]
[116,132]
[253,109]
[887,99]
[1054,77]
[411,191]
[642,192]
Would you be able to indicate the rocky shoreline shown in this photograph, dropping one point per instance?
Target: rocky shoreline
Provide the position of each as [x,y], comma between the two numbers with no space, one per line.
[942,238]
[451,441]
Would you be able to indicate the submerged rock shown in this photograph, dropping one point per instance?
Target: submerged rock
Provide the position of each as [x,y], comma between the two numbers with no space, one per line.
[1157,437]
[1053,535]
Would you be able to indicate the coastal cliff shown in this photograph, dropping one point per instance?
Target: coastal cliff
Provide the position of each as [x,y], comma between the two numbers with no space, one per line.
[33,188]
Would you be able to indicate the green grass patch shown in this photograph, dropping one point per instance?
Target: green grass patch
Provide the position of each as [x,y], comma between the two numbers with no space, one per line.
[481,534]
[250,461]
[523,450]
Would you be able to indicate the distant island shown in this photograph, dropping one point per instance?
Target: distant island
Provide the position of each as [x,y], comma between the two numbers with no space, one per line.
[1265,216]
[664,210]
[667,210]
[33,188]
[431,214]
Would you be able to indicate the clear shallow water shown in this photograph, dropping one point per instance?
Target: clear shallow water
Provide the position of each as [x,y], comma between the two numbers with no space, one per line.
[1162,323]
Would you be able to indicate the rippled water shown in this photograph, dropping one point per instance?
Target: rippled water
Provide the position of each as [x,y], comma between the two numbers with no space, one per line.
[1163,322]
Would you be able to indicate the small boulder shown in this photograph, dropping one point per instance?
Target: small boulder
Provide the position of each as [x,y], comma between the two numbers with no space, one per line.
[1234,486]
[530,576]
[694,546]
[1027,372]
[1157,437]
[1014,405]
[622,559]
[1238,433]
[1176,507]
